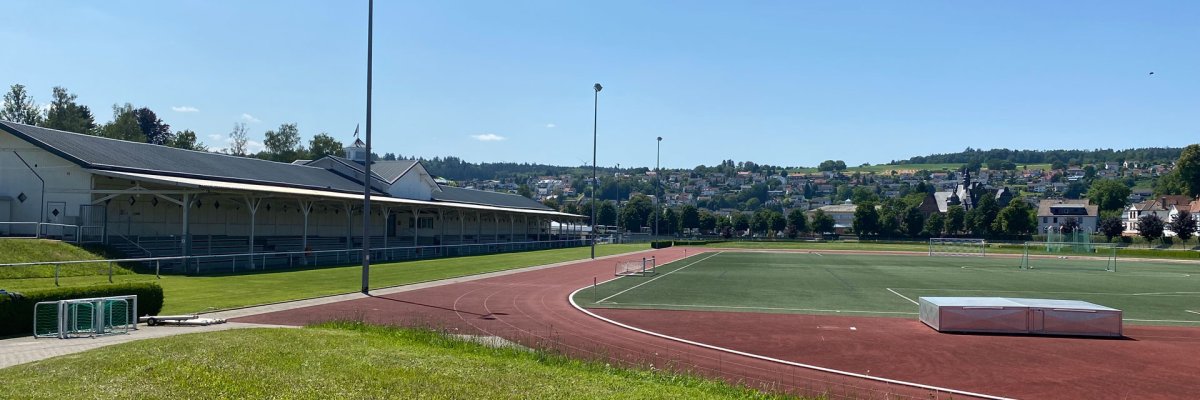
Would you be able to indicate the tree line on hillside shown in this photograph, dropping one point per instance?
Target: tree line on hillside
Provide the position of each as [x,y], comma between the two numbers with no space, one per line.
[639,211]
[1063,157]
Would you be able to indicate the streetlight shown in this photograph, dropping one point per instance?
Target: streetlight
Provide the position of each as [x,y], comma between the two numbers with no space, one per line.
[657,185]
[366,250]
[617,178]
[595,118]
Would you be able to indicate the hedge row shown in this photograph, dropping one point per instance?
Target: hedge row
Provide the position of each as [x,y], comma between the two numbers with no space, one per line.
[662,244]
[16,310]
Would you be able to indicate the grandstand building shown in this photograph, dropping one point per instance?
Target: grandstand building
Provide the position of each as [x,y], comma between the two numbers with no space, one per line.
[92,189]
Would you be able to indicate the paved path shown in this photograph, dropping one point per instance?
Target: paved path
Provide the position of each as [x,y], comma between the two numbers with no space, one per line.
[27,349]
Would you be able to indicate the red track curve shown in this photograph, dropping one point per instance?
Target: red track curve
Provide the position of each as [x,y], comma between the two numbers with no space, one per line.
[532,308]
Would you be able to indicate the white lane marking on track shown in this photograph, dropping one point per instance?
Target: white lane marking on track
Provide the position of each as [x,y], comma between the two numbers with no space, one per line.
[759,308]
[1161,320]
[658,277]
[905,297]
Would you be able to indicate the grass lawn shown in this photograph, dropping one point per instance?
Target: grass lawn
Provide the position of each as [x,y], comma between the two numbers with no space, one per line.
[187,294]
[1148,292]
[346,360]
[14,251]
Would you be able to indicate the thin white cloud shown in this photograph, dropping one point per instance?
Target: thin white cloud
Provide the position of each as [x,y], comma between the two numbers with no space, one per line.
[551,125]
[185,109]
[216,137]
[250,118]
[253,146]
[488,137]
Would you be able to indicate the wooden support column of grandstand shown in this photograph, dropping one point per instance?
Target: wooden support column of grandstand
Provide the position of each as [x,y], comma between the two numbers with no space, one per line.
[512,228]
[349,224]
[305,208]
[252,204]
[441,239]
[462,227]
[385,210]
[185,237]
[495,227]
[478,227]
[416,224]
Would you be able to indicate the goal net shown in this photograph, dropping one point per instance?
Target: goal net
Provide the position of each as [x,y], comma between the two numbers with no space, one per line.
[957,247]
[644,266]
[1069,255]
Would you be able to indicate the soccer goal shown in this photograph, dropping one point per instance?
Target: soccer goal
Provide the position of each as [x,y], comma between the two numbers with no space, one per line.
[957,247]
[642,267]
[1069,255]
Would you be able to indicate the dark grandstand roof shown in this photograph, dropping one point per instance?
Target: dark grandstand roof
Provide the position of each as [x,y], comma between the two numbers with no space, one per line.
[472,196]
[118,155]
[389,171]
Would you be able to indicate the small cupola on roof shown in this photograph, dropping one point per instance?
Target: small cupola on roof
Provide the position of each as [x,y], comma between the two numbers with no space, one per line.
[357,151]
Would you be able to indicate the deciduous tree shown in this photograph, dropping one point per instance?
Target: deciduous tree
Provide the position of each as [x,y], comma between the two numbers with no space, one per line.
[1111,227]
[1108,194]
[19,107]
[238,138]
[822,222]
[65,115]
[322,145]
[1188,169]
[1150,227]
[153,128]
[124,125]
[866,219]
[186,139]
[1184,225]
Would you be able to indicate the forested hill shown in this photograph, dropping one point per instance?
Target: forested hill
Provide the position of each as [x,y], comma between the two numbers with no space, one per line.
[1070,157]
[454,168]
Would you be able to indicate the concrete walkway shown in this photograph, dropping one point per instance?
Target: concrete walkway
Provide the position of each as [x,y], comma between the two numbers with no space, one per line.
[27,349]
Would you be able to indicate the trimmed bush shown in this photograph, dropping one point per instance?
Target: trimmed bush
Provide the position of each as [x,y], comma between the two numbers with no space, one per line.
[660,244]
[16,310]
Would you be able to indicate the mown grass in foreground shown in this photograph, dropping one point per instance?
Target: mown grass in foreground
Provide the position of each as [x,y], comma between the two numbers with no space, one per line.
[340,360]
[188,294]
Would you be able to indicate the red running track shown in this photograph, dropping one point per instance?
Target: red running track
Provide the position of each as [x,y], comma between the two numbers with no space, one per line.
[532,308]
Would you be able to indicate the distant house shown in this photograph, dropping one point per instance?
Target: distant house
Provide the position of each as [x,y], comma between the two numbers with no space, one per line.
[1052,214]
[1163,207]
[843,216]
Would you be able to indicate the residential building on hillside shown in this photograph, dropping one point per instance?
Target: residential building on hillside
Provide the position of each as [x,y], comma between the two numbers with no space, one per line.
[843,216]
[1162,207]
[1052,214]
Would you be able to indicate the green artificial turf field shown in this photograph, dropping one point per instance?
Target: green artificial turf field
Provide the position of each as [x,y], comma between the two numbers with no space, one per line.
[1157,293]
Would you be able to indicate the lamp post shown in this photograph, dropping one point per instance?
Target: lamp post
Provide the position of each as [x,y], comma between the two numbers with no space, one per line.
[366,250]
[595,118]
[657,185]
[617,178]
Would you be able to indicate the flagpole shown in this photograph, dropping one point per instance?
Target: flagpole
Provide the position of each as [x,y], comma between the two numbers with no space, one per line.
[366,250]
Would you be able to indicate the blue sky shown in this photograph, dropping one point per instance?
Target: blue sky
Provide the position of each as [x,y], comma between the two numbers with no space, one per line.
[786,83]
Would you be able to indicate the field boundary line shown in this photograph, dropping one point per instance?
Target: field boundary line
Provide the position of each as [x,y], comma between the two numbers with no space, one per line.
[1193,312]
[657,277]
[1161,320]
[763,308]
[571,299]
[1166,294]
[905,297]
